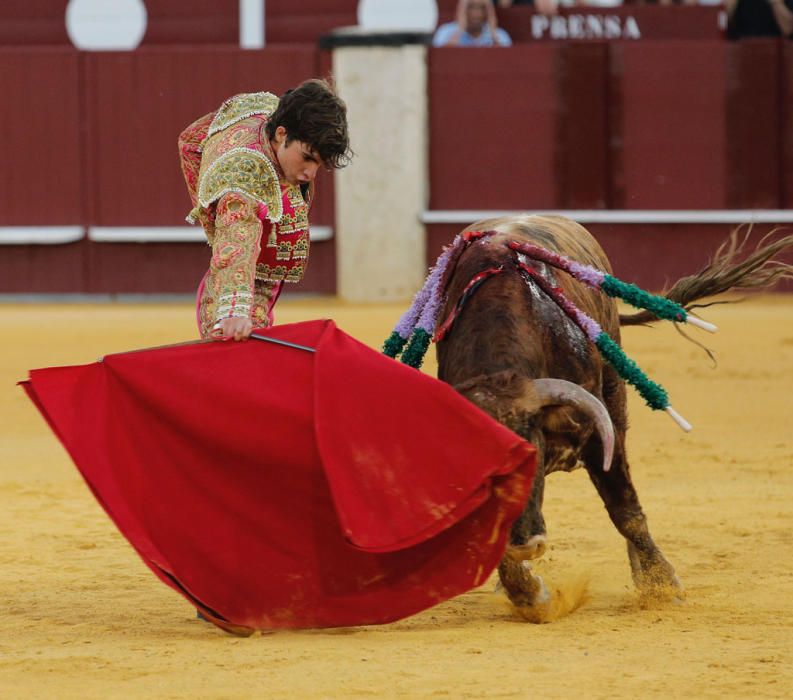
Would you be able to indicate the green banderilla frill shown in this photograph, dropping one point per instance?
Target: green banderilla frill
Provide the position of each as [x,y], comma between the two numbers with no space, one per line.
[630,293]
[394,344]
[417,348]
[654,395]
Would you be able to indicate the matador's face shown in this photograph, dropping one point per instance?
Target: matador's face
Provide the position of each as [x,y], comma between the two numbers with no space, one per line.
[298,161]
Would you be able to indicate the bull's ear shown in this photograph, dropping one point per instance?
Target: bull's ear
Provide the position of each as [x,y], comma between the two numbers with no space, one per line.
[480,397]
[528,401]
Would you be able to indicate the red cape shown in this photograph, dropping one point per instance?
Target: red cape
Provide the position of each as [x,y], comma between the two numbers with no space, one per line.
[278,488]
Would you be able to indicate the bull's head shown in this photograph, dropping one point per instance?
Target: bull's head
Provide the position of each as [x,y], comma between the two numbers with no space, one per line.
[517,402]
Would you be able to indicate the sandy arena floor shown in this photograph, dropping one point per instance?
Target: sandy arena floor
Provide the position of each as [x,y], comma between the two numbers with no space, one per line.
[83,617]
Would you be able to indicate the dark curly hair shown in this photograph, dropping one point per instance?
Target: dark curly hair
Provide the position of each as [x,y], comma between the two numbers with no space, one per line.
[314,114]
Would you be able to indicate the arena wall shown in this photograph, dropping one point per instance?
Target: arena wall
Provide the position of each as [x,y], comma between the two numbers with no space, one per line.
[598,126]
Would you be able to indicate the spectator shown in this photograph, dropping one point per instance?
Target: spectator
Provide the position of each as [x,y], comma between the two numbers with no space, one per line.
[759,18]
[476,25]
[551,7]
[543,7]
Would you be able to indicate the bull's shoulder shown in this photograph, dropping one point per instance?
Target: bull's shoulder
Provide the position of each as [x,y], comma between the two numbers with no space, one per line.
[551,231]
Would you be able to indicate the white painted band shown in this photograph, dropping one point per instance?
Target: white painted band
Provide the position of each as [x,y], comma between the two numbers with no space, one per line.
[146,234]
[40,235]
[172,234]
[622,216]
[54,235]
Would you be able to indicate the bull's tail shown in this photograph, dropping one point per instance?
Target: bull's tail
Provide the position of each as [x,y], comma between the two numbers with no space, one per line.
[761,269]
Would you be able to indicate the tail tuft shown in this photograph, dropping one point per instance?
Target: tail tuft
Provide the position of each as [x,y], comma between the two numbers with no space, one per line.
[760,269]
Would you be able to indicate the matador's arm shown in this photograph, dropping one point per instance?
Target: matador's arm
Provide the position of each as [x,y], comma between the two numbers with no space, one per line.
[235,250]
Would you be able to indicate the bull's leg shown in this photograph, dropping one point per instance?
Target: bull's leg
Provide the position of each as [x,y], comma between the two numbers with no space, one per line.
[528,531]
[525,589]
[652,573]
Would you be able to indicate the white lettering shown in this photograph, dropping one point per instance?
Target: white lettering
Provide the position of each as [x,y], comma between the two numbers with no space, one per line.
[539,25]
[585,27]
[558,28]
[613,28]
[594,25]
[575,27]
[631,29]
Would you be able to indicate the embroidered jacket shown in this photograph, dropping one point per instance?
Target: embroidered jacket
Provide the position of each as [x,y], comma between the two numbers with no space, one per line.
[240,194]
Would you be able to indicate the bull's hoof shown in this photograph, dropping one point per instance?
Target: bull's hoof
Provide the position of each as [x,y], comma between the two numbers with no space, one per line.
[542,609]
[660,587]
[528,593]
[520,584]
[655,577]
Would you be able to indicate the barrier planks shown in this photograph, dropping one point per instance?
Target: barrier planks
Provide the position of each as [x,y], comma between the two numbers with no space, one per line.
[668,137]
[493,126]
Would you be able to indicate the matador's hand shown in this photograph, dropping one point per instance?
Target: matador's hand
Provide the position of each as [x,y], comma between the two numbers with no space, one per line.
[236,328]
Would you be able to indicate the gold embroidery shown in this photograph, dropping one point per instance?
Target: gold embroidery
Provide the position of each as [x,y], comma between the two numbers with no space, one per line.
[240,107]
[300,248]
[244,171]
[238,193]
[233,208]
[295,211]
[272,273]
[225,254]
[295,273]
[229,286]
[284,251]
[272,238]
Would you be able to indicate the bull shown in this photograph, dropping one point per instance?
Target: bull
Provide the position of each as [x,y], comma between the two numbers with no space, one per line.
[513,352]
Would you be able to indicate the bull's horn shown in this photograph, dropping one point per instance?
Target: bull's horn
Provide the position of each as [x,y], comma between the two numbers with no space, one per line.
[553,392]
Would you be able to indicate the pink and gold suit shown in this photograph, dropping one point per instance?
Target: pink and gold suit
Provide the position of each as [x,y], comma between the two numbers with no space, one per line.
[255,221]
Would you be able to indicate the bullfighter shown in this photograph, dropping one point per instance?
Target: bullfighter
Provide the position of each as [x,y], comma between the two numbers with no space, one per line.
[250,168]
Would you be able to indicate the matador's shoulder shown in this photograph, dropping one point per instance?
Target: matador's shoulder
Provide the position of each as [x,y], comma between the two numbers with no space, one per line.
[240,107]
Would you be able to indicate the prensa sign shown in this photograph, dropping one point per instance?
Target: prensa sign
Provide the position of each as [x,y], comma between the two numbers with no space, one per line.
[585,26]
[614,23]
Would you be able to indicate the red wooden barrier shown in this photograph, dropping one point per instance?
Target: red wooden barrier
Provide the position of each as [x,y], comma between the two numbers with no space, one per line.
[28,22]
[668,136]
[786,126]
[133,268]
[43,269]
[137,104]
[493,121]
[40,181]
[656,256]
[754,124]
[31,22]
[287,21]
[135,176]
[583,162]
[193,22]
[675,125]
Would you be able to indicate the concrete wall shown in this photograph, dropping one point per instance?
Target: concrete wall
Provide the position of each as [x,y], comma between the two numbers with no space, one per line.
[381,241]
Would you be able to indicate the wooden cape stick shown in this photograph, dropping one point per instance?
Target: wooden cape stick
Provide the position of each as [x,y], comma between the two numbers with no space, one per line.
[282,342]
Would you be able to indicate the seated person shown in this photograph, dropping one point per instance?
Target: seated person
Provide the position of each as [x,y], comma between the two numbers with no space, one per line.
[543,7]
[476,25]
[759,18]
